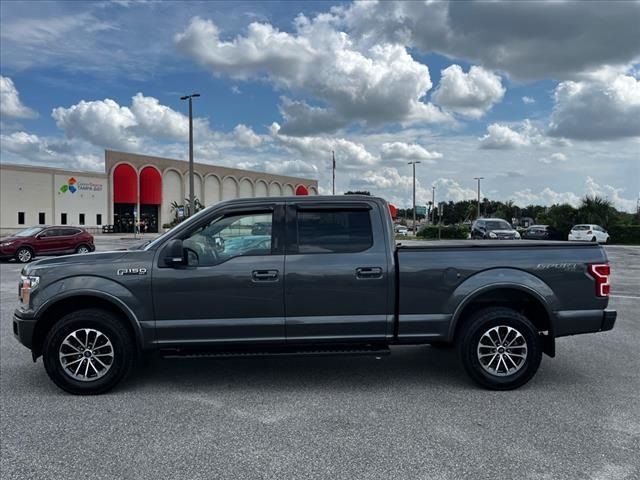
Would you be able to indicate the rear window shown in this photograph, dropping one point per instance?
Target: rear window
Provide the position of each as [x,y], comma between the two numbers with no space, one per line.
[334,231]
[581,227]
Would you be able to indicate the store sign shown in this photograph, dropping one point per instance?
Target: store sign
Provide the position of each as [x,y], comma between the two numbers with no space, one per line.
[74,185]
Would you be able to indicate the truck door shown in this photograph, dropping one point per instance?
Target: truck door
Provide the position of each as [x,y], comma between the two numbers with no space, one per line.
[337,279]
[232,288]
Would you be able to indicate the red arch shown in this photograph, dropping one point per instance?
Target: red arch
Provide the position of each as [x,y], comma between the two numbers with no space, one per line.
[150,186]
[125,188]
[302,190]
[393,210]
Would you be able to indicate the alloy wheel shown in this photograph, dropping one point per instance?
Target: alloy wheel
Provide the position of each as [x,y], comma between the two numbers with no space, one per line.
[502,351]
[86,354]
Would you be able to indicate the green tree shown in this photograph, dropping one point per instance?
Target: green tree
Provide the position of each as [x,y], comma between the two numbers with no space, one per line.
[595,209]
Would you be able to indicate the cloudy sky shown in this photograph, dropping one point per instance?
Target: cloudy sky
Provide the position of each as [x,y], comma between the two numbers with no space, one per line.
[541,99]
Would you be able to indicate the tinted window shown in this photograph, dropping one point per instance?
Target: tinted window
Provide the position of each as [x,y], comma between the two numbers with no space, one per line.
[41,218]
[337,231]
[581,227]
[63,218]
[98,219]
[52,232]
[228,237]
[20,218]
[498,225]
[81,219]
[69,231]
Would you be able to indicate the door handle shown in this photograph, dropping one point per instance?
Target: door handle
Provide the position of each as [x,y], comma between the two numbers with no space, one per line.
[368,272]
[264,276]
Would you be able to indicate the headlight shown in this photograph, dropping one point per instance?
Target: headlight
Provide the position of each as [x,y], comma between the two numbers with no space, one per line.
[27,284]
[5,244]
[492,235]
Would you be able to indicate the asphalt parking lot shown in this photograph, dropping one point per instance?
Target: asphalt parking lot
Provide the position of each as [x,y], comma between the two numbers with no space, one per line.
[413,414]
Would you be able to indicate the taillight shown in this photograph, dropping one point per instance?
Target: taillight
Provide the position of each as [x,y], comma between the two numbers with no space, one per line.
[601,272]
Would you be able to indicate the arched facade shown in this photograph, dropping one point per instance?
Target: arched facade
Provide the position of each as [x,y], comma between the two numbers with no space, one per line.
[302,190]
[150,198]
[197,186]
[275,190]
[287,190]
[262,189]
[171,192]
[212,190]
[125,197]
[246,188]
[229,188]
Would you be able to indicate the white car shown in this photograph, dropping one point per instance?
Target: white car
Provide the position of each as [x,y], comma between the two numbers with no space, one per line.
[402,230]
[589,233]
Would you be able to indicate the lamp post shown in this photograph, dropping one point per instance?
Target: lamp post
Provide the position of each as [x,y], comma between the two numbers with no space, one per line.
[478,179]
[433,205]
[414,195]
[191,197]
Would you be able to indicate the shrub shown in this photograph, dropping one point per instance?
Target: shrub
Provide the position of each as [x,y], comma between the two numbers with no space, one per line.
[447,232]
[625,234]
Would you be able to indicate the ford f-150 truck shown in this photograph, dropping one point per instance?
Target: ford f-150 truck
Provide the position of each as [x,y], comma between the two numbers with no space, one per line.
[308,275]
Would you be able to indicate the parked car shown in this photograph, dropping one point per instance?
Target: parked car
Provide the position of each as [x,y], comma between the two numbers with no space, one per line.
[36,241]
[333,282]
[493,228]
[402,230]
[589,233]
[541,232]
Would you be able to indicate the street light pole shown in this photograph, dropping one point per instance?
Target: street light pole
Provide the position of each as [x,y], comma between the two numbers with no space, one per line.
[433,205]
[333,170]
[414,195]
[191,195]
[478,179]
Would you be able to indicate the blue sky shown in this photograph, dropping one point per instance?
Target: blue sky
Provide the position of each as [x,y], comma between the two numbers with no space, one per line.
[541,99]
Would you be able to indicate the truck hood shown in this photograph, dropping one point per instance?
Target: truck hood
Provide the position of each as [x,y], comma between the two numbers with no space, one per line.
[67,260]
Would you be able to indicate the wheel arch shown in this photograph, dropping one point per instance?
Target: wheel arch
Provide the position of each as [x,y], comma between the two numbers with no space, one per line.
[537,306]
[56,308]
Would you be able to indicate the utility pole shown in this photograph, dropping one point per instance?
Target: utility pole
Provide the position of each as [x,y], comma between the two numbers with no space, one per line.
[478,179]
[433,205]
[191,196]
[414,195]
[333,185]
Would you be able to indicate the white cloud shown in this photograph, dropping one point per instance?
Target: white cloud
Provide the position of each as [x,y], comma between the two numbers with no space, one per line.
[447,189]
[522,134]
[470,94]
[528,100]
[498,35]
[600,109]
[157,120]
[381,83]
[10,104]
[348,154]
[407,151]
[18,146]
[246,137]
[614,195]
[554,158]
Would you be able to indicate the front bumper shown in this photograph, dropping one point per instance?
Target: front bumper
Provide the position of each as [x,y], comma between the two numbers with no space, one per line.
[23,328]
[575,322]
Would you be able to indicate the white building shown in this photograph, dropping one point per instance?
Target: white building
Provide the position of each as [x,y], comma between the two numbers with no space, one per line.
[131,184]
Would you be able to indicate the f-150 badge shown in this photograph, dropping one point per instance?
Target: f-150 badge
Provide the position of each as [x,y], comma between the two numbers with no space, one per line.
[132,271]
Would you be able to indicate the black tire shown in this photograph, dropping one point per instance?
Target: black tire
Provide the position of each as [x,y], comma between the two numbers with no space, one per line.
[110,326]
[24,255]
[81,249]
[480,324]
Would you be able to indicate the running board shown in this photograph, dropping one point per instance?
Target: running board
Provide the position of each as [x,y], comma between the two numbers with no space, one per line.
[372,350]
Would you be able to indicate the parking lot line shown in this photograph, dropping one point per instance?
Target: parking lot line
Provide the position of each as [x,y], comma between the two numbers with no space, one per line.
[625,296]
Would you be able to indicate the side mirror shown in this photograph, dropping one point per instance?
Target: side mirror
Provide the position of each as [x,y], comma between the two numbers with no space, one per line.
[174,253]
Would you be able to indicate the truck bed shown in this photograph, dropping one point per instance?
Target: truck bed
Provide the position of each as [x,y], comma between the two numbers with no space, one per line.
[439,244]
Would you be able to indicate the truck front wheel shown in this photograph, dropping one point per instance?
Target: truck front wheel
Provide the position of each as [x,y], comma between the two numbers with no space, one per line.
[87,352]
[500,348]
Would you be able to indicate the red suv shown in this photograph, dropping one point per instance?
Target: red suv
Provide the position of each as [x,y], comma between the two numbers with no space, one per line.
[26,244]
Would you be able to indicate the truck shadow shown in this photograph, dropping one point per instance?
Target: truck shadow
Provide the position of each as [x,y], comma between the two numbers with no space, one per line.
[406,365]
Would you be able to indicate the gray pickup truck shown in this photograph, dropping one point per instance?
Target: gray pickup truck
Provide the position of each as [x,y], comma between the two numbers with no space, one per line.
[308,275]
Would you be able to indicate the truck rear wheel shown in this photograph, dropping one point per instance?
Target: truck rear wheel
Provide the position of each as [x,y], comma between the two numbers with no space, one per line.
[500,348]
[88,352]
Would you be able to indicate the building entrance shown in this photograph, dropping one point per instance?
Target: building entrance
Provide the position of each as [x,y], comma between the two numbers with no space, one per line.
[149,218]
[123,217]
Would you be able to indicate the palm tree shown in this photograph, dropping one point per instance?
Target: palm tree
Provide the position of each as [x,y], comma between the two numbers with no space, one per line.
[595,209]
